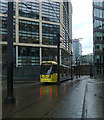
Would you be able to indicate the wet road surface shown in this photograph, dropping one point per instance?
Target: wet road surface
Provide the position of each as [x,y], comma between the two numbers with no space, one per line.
[94,99]
[67,100]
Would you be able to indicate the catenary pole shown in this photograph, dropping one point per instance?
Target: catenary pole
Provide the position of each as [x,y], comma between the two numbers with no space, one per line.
[10,98]
[71,66]
[58,56]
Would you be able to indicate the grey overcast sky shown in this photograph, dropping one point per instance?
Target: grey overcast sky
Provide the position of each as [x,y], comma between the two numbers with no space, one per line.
[82,24]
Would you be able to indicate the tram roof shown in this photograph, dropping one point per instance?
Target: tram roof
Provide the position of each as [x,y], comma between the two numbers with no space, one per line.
[53,62]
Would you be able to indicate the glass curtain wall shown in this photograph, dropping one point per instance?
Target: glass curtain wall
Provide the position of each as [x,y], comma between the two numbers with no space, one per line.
[65,57]
[3,10]
[29,9]
[28,31]
[28,56]
[49,54]
[98,25]
[49,34]
[66,25]
[50,11]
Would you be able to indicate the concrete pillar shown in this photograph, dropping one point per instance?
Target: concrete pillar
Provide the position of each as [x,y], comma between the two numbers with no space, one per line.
[61,21]
[40,21]
[61,28]
[40,28]
[16,56]
[40,55]
[60,56]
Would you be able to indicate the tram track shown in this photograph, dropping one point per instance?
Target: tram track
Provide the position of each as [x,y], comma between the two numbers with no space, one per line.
[71,89]
[84,108]
[60,89]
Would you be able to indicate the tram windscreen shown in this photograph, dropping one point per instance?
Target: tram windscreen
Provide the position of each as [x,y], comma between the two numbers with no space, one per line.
[46,69]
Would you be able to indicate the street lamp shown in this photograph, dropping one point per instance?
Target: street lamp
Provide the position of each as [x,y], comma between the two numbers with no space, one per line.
[76,39]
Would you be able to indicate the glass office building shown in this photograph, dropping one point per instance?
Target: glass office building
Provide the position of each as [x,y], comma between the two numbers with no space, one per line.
[98,36]
[36,25]
[77,50]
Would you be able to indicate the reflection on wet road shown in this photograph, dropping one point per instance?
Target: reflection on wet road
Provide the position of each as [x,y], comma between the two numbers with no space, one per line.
[49,100]
[42,98]
[48,90]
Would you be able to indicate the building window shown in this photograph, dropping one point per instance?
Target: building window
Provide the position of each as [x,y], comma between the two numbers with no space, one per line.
[65,57]
[49,54]
[3,7]
[29,9]
[98,3]
[98,24]
[98,13]
[51,11]
[28,56]
[4,29]
[97,47]
[98,36]
[28,32]
[49,34]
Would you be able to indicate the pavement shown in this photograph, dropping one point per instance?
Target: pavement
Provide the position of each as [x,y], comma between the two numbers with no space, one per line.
[95,99]
[80,98]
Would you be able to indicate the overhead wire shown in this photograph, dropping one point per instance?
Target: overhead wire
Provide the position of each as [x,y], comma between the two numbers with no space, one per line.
[56,16]
[54,11]
[59,18]
[65,41]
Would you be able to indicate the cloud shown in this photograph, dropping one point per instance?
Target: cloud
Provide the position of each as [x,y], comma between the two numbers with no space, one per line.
[82,23]
[85,32]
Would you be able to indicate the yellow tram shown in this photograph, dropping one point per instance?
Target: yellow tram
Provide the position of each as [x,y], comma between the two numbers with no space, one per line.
[48,72]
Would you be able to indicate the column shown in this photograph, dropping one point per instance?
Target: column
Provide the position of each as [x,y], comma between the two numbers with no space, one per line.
[40,28]
[17,29]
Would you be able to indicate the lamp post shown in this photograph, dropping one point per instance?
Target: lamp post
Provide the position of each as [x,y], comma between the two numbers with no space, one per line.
[58,57]
[71,66]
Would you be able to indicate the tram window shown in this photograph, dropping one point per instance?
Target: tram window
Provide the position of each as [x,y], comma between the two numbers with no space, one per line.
[54,70]
[46,69]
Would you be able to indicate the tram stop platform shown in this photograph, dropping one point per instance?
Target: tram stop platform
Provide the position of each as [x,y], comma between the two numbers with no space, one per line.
[80,98]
